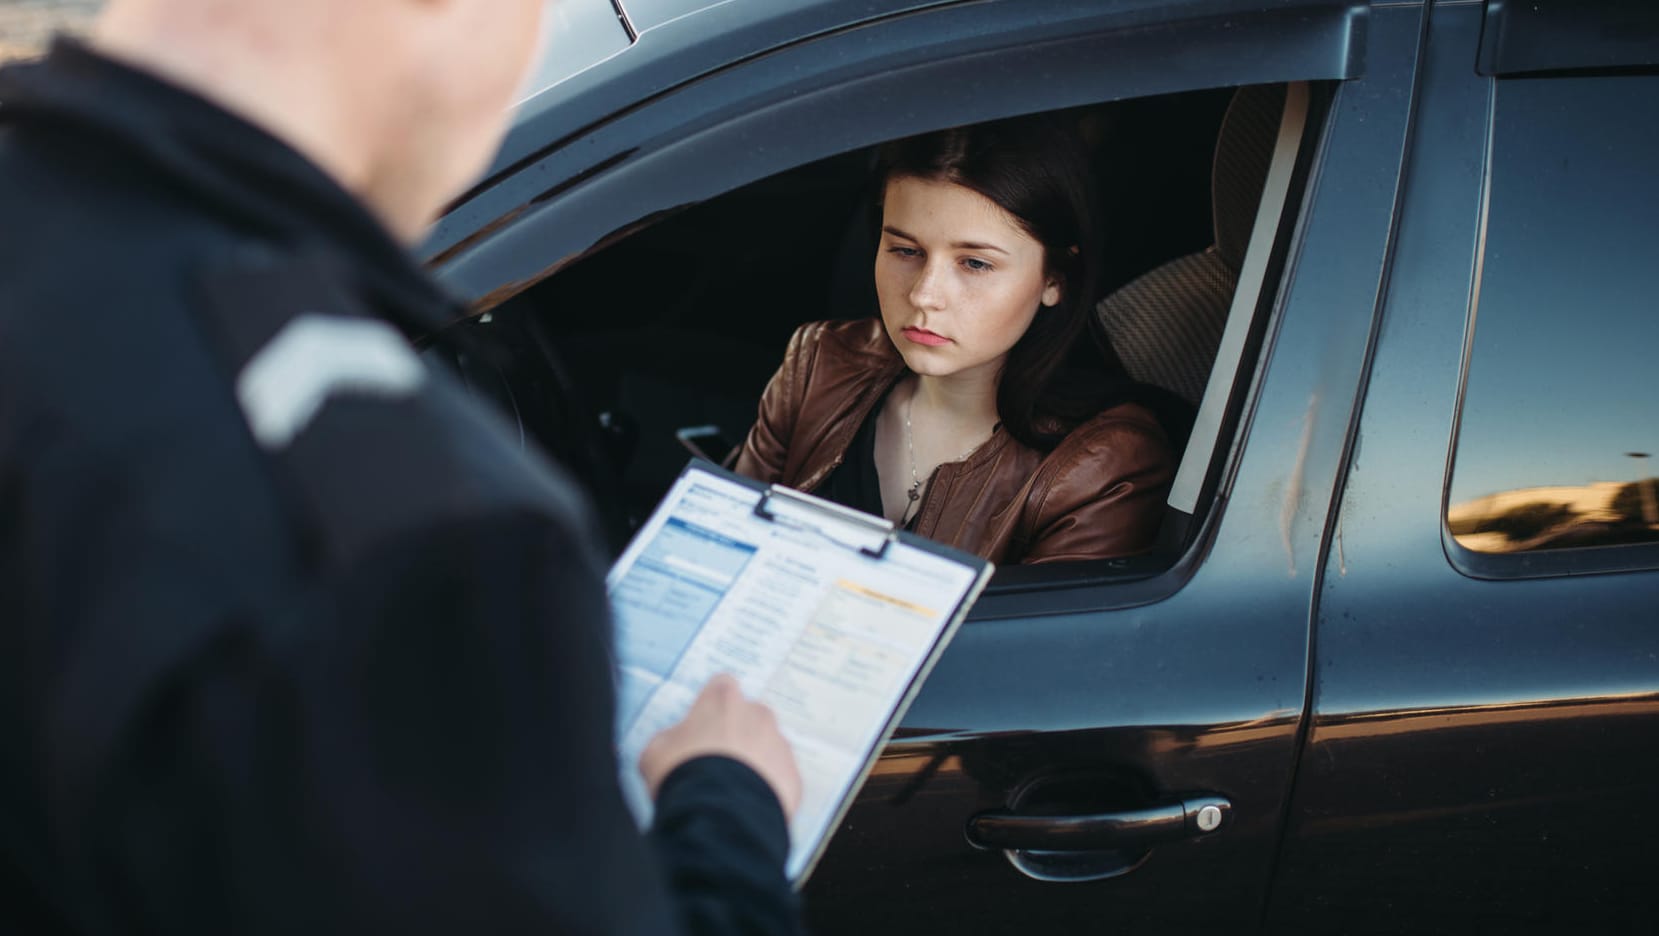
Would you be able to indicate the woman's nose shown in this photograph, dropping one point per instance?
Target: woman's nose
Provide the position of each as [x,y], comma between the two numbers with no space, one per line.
[928,291]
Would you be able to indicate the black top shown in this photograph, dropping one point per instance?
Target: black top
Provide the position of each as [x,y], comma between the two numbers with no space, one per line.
[855,482]
[297,637]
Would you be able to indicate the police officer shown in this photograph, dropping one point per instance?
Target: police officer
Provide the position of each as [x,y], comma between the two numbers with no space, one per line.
[293,637]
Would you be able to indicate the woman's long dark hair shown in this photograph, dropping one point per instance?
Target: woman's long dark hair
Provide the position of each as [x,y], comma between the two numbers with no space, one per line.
[1035,168]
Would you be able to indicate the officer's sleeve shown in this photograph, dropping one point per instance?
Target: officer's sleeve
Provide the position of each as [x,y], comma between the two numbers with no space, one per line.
[485,694]
[722,839]
[430,751]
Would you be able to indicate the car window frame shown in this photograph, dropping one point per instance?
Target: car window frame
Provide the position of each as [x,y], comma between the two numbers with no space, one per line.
[1112,61]
[1546,562]
[1560,37]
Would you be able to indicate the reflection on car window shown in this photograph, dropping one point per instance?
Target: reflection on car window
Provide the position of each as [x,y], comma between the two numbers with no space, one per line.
[1560,422]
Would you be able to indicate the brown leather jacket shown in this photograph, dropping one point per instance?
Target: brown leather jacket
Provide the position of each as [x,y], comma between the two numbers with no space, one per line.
[1099,493]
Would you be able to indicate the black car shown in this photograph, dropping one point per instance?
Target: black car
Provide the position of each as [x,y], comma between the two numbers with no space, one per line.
[1394,665]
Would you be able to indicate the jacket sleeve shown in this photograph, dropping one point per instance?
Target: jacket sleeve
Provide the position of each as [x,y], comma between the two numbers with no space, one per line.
[722,841]
[1102,492]
[764,454]
[428,748]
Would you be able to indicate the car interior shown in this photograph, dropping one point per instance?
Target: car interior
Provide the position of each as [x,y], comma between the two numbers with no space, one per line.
[652,348]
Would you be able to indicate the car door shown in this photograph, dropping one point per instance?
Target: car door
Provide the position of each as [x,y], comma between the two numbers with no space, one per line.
[1091,723]
[1108,744]
[1487,679]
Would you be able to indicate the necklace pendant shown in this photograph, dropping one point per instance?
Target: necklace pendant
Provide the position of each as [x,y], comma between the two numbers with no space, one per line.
[915,493]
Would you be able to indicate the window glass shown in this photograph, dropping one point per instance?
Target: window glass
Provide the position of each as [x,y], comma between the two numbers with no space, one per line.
[1559,436]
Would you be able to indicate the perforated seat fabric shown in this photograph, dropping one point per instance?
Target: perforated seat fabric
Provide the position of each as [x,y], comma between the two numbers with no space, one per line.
[1166,324]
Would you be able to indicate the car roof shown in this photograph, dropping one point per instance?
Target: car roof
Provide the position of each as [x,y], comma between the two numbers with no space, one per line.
[580,34]
[604,57]
[648,14]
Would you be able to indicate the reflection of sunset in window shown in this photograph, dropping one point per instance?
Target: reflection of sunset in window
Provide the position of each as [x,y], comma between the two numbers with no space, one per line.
[1602,514]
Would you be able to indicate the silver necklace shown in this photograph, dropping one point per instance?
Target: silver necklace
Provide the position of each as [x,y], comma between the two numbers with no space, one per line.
[915,492]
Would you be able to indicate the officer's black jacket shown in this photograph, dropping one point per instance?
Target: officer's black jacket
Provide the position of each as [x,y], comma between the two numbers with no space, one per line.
[294,637]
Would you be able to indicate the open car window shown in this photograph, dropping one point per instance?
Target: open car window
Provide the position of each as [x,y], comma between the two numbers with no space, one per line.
[660,343]
[647,273]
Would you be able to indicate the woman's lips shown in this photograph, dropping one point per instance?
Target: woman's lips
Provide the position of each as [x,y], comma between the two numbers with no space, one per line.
[924,337]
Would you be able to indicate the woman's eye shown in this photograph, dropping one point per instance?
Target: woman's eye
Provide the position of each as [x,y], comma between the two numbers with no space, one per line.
[904,251]
[975,264]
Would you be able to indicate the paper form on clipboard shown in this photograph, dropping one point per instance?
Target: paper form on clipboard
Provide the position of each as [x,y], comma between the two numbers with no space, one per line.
[828,615]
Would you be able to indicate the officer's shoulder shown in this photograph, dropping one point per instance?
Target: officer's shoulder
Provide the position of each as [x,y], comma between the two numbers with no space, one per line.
[378,443]
[97,335]
[248,291]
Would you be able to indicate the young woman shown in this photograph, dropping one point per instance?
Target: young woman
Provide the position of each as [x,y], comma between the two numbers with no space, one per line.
[956,413]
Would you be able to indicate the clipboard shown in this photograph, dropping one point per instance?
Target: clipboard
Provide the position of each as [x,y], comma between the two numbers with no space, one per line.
[832,616]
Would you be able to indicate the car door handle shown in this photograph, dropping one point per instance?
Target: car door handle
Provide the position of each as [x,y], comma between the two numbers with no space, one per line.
[1188,818]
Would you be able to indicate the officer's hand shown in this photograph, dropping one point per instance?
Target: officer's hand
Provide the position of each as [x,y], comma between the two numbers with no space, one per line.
[723,722]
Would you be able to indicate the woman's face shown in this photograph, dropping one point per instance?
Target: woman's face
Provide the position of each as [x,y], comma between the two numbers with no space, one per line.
[958,279]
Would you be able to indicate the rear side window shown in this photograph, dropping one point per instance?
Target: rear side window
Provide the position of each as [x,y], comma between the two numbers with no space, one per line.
[1558,441]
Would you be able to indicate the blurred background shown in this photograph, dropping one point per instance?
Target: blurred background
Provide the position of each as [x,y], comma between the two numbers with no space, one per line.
[27,25]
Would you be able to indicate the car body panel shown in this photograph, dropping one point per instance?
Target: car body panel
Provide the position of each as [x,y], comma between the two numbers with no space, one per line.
[1540,698]
[1545,36]
[675,46]
[576,36]
[646,15]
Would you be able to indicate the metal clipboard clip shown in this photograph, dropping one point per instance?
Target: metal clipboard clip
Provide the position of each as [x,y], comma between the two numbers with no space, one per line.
[870,536]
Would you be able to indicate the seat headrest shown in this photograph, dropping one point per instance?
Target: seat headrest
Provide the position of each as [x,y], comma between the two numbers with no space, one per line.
[1243,151]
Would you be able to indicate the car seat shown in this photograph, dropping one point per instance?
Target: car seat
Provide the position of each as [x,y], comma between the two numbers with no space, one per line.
[1166,324]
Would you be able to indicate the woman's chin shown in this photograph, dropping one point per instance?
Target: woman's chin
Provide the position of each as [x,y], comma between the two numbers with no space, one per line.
[927,362]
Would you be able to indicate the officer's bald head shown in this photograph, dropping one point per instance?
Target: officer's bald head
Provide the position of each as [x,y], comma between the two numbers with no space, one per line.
[403,101]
